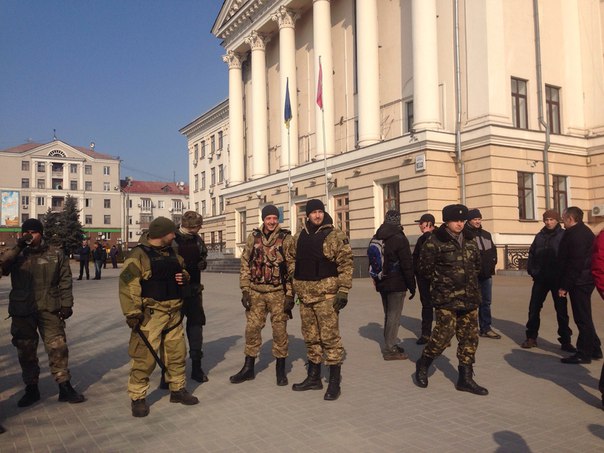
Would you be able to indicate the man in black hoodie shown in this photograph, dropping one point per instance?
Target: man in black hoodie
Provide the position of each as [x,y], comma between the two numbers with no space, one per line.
[397,279]
[427,224]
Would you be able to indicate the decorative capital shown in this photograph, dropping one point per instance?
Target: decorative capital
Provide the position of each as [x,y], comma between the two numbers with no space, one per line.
[257,41]
[232,59]
[285,17]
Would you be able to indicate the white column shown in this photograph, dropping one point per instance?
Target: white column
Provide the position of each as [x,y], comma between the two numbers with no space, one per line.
[368,73]
[287,71]
[236,162]
[257,43]
[573,121]
[425,65]
[324,121]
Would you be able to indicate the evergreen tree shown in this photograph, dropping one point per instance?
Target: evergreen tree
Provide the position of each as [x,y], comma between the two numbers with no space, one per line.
[64,228]
[52,228]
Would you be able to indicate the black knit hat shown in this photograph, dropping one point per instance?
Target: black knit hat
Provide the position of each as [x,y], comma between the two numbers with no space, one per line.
[32,225]
[474,214]
[455,212]
[161,226]
[314,205]
[269,209]
[393,217]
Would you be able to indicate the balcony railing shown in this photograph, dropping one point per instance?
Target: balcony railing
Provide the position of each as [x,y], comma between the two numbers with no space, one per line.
[515,257]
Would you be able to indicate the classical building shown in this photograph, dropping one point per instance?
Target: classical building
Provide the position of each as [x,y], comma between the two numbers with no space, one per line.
[413,104]
[208,145]
[36,177]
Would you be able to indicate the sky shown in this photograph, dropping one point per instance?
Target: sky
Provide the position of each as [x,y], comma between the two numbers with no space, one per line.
[124,74]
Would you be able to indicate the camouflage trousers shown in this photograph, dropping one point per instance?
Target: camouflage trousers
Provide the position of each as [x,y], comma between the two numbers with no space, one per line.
[262,304]
[24,330]
[321,332]
[192,309]
[461,323]
[159,318]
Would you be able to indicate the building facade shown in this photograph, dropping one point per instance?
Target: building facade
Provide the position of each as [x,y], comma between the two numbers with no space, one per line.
[495,104]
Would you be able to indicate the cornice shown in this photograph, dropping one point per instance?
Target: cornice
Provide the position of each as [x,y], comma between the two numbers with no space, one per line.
[212,117]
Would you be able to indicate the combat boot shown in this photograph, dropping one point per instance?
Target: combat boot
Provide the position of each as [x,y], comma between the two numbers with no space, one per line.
[140,408]
[421,371]
[67,394]
[333,389]
[280,368]
[312,381]
[183,397]
[32,394]
[465,382]
[197,373]
[246,373]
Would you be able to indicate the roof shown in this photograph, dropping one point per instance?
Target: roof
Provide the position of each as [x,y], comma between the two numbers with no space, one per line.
[32,145]
[153,187]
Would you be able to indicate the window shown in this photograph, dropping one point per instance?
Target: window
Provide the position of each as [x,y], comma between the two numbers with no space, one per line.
[24,183]
[87,169]
[24,217]
[25,200]
[219,139]
[391,196]
[196,183]
[203,180]
[242,224]
[212,144]
[526,209]
[177,205]
[203,149]
[73,168]
[212,237]
[409,116]
[106,170]
[560,193]
[107,203]
[197,206]
[73,185]
[41,167]
[25,165]
[220,237]
[106,186]
[41,184]
[213,176]
[40,201]
[146,204]
[107,219]
[203,207]
[220,173]
[196,151]
[220,204]
[88,185]
[300,216]
[342,213]
[161,204]
[88,219]
[88,202]
[552,103]
[519,104]
[213,206]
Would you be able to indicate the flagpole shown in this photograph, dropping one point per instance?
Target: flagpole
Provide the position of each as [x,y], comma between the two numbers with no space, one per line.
[287,116]
[324,140]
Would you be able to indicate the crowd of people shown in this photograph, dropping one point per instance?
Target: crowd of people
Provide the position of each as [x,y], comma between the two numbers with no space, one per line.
[160,284]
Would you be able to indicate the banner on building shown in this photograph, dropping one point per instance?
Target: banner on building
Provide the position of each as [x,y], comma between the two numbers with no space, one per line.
[9,210]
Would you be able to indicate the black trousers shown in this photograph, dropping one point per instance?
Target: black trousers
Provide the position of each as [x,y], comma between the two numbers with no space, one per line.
[423,285]
[192,308]
[84,267]
[538,296]
[580,301]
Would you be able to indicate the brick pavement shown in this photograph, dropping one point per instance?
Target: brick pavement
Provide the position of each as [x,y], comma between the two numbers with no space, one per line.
[536,404]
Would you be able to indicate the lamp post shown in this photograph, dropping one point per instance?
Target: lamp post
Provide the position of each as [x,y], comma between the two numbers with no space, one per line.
[127,210]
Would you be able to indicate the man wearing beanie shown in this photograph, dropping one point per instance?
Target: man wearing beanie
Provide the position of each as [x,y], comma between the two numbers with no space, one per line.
[488,260]
[191,247]
[543,267]
[397,277]
[450,259]
[40,301]
[150,291]
[266,289]
[322,280]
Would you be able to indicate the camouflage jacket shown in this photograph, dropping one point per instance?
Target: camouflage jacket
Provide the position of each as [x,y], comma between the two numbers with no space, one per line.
[137,268]
[452,270]
[271,261]
[40,277]
[336,248]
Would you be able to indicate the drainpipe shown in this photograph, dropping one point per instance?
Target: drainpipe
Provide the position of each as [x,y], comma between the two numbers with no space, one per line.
[458,156]
[540,100]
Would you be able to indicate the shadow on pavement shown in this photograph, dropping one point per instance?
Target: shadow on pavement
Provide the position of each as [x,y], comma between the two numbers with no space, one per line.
[510,442]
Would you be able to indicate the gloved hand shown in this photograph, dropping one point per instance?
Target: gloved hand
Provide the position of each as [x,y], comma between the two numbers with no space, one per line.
[288,305]
[340,301]
[134,321]
[65,312]
[412,292]
[246,300]
[24,240]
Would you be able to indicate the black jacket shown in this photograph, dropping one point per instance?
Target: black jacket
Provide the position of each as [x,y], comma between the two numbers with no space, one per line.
[396,249]
[574,256]
[543,255]
[488,252]
[418,248]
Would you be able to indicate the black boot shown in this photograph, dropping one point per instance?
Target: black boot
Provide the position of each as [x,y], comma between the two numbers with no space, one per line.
[32,394]
[2,430]
[140,408]
[67,394]
[246,373]
[333,389]
[421,371]
[183,397]
[197,373]
[280,368]
[312,381]
[465,382]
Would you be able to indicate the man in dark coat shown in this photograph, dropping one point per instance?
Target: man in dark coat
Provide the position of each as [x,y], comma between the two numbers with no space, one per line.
[543,267]
[426,226]
[574,256]
[397,279]
[84,254]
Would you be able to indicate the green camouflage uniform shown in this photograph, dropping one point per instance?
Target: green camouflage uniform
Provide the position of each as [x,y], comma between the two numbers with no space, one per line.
[41,286]
[267,282]
[159,317]
[452,269]
[320,327]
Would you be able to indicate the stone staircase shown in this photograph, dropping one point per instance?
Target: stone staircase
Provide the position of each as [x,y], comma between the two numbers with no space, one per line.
[225,264]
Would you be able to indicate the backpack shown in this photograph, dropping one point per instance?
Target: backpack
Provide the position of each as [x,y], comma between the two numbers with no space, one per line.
[375,253]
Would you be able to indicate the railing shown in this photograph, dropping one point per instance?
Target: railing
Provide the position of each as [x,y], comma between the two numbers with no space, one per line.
[515,257]
[216,247]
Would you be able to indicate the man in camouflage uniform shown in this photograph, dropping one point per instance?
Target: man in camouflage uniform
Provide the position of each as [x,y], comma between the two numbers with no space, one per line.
[150,296]
[41,300]
[191,247]
[322,279]
[266,288]
[450,260]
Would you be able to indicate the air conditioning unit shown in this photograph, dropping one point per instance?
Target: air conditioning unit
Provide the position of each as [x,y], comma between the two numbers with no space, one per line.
[218,153]
[171,210]
[598,210]
[139,205]
[195,162]
[211,190]
[138,222]
[25,206]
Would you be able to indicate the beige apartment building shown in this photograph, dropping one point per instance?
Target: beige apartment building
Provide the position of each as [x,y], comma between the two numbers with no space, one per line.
[423,103]
[36,177]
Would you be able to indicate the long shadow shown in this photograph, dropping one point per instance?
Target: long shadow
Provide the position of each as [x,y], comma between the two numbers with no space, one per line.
[597,430]
[510,442]
[517,332]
